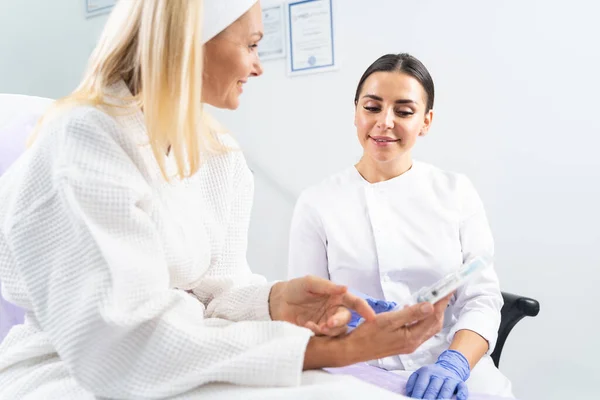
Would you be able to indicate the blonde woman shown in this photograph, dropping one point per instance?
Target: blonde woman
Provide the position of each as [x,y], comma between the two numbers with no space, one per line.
[123,230]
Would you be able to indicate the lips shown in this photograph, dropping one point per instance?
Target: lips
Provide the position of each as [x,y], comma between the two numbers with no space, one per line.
[384,139]
[240,86]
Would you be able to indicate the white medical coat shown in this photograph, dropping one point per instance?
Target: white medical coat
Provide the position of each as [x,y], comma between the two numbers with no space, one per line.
[391,238]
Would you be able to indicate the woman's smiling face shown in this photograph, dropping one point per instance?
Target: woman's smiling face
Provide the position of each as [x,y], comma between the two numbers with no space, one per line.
[390,114]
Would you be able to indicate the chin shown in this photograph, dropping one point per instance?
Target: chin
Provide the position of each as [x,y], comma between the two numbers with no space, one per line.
[384,158]
[232,104]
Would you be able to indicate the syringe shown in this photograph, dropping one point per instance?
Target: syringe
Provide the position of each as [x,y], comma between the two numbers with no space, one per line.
[452,281]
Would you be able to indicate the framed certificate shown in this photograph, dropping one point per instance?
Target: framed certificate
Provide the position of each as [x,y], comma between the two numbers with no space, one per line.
[98,7]
[272,45]
[310,36]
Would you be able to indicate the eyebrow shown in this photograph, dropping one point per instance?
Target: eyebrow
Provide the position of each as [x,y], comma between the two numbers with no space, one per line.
[259,34]
[399,101]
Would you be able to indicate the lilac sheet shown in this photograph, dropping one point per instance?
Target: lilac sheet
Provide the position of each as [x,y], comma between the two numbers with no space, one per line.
[13,138]
[390,381]
[9,315]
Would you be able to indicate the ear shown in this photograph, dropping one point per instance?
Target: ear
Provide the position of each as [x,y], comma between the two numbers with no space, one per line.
[426,123]
[355,116]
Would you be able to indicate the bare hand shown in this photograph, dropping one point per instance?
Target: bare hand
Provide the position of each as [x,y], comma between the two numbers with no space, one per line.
[317,304]
[396,332]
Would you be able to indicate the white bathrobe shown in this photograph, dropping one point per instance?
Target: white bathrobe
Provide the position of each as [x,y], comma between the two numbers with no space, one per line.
[131,283]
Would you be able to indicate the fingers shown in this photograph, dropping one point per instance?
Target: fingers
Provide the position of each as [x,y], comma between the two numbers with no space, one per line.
[425,329]
[313,327]
[359,305]
[442,304]
[333,332]
[447,389]
[421,385]
[341,318]
[320,286]
[435,384]
[462,391]
[410,384]
[324,330]
[408,315]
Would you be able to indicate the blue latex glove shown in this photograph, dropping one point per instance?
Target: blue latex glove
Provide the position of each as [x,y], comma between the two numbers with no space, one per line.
[378,306]
[442,379]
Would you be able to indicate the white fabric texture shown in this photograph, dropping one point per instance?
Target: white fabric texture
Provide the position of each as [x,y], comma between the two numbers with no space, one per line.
[13,138]
[391,238]
[219,14]
[18,116]
[104,255]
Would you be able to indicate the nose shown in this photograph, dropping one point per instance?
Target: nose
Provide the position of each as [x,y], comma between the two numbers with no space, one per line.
[386,119]
[257,69]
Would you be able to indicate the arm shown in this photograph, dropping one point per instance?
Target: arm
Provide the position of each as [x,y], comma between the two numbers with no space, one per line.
[308,242]
[232,292]
[479,301]
[92,262]
[478,304]
[471,345]
[229,289]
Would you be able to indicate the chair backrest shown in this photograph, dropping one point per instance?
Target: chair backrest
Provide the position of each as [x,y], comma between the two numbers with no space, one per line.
[515,308]
[14,105]
[18,116]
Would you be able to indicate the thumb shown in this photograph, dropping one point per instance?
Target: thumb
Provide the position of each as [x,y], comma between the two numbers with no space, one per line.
[359,305]
[410,315]
[316,285]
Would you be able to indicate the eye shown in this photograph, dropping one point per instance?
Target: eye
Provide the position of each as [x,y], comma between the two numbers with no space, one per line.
[403,113]
[372,109]
[253,47]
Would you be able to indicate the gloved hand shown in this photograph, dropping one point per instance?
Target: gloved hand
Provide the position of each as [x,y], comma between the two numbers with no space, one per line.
[442,379]
[378,306]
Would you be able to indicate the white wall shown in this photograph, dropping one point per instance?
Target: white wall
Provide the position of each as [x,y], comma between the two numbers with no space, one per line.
[44,45]
[517,85]
[516,99]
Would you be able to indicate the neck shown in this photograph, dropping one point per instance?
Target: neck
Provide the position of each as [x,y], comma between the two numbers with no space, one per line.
[375,171]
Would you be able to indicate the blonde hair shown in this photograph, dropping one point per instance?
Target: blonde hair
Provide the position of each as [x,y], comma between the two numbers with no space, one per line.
[156,47]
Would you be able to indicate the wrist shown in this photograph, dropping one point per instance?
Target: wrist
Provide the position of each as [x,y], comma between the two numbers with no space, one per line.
[323,352]
[276,301]
[455,361]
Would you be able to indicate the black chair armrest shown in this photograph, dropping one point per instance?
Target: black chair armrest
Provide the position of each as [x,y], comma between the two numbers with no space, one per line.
[527,306]
[515,309]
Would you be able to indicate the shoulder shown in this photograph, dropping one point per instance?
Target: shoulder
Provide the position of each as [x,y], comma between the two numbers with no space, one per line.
[77,146]
[329,191]
[443,180]
[229,163]
[224,175]
[75,130]
[331,185]
[233,158]
[452,187]
[69,123]
[84,142]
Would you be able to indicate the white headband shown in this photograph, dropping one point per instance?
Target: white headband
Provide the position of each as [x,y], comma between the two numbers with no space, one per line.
[219,14]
